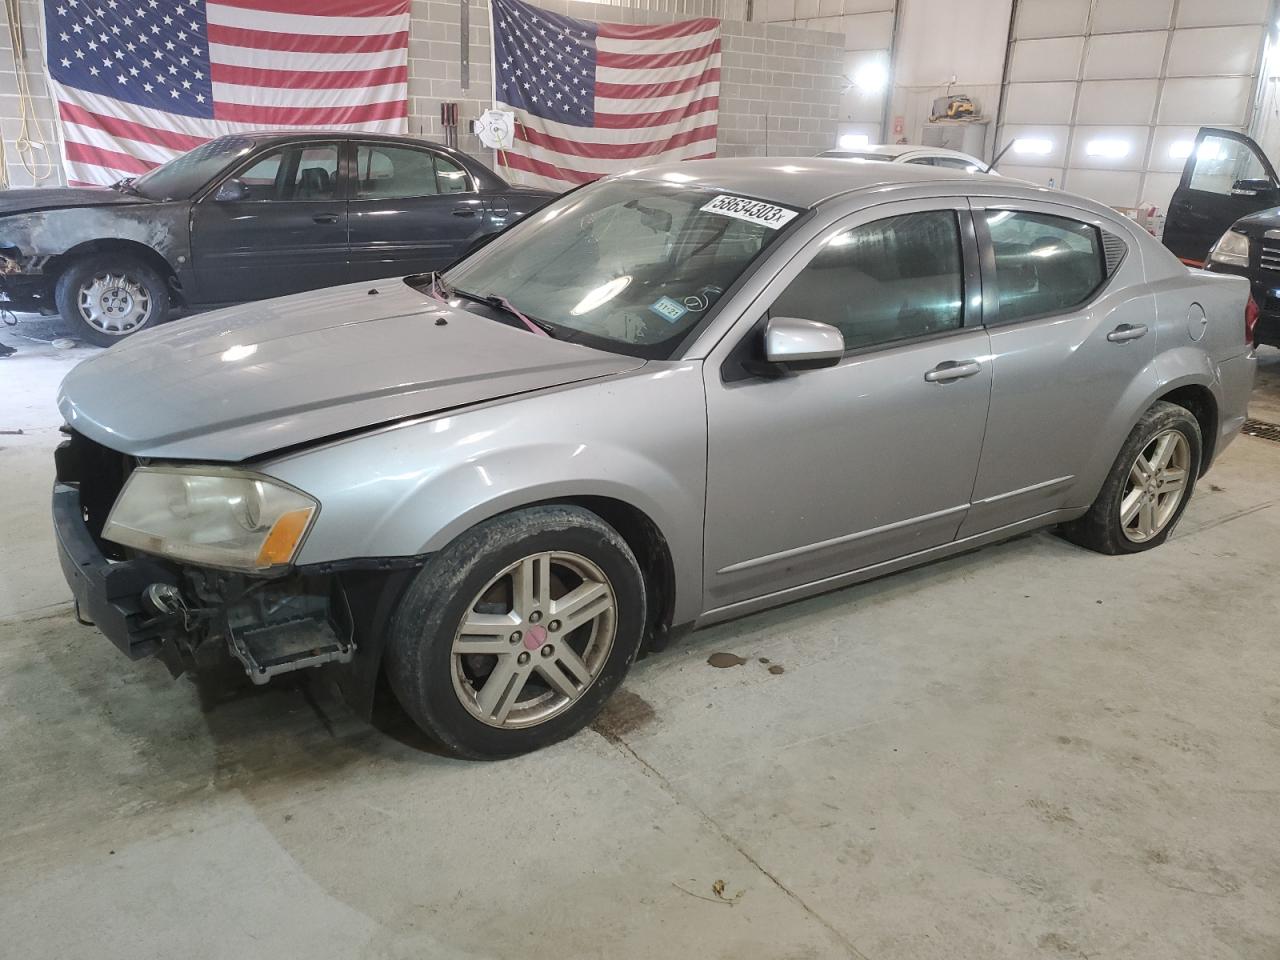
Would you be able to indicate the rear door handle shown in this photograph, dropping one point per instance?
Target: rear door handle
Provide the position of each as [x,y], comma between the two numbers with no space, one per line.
[325,218]
[1127,331]
[953,370]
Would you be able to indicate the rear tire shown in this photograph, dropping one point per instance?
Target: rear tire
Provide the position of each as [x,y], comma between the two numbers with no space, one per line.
[110,296]
[514,635]
[1148,487]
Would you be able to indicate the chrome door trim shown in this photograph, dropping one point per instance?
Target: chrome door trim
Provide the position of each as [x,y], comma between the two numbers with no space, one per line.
[839,541]
[1033,488]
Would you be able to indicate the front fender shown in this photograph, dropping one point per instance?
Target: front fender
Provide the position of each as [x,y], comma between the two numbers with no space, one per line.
[57,232]
[411,489]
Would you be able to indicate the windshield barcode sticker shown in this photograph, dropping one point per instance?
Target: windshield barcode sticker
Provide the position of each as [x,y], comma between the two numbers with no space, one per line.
[752,211]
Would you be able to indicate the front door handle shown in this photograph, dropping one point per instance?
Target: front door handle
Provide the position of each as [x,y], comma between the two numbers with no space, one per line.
[325,218]
[1127,331]
[953,370]
[465,212]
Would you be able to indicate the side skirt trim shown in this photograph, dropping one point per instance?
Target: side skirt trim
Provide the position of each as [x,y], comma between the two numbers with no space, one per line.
[743,607]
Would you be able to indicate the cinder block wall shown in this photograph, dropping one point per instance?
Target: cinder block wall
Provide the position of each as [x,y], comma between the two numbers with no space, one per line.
[780,85]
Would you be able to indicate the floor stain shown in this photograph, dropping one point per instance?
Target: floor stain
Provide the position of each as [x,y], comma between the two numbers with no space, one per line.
[1056,941]
[1051,812]
[776,668]
[726,660]
[624,713]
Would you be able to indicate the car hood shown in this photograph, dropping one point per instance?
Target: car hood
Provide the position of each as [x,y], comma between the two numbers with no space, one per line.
[54,198]
[1255,224]
[235,384]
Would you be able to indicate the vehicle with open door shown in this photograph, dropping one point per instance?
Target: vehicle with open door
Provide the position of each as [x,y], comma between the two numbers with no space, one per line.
[1225,216]
[1226,177]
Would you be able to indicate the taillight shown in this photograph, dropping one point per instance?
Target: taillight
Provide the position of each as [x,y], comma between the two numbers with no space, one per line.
[1251,312]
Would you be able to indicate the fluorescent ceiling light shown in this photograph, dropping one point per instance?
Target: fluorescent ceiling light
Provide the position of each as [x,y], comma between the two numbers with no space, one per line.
[1108,149]
[1033,146]
[854,141]
[1181,149]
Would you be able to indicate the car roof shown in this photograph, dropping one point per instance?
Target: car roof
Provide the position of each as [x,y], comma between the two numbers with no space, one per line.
[901,149]
[801,181]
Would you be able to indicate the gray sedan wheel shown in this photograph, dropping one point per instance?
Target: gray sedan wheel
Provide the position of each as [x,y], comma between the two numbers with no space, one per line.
[515,634]
[1148,486]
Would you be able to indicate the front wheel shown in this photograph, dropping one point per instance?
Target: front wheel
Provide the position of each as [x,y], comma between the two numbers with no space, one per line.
[514,635]
[1148,487]
[109,296]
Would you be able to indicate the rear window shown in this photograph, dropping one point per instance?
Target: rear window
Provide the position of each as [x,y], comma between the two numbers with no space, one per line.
[1044,264]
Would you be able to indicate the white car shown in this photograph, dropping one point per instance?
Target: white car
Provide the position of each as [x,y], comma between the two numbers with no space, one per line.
[913,153]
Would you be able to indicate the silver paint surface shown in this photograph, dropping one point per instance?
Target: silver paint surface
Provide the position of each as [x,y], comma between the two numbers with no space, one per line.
[764,490]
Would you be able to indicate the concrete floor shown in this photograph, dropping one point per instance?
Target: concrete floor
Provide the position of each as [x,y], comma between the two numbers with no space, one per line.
[1031,751]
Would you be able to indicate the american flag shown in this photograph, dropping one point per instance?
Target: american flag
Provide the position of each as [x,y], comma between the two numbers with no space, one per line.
[139,81]
[594,98]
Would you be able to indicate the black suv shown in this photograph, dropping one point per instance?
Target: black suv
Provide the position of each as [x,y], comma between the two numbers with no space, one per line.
[1225,217]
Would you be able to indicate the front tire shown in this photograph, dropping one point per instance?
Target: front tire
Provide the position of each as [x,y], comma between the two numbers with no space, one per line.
[109,296]
[514,636]
[1149,486]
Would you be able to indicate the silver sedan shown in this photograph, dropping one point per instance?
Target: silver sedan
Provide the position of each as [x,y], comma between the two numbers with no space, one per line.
[670,398]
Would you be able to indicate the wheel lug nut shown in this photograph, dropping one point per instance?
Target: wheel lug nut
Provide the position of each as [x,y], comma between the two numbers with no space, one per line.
[522,659]
[515,637]
[535,616]
[553,626]
[548,650]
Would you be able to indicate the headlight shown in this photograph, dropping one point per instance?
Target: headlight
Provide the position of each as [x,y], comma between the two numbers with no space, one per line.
[1232,248]
[229,519]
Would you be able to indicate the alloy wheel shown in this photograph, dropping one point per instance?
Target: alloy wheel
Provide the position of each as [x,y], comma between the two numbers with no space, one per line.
[114,303]
[1156,484]
[534,639]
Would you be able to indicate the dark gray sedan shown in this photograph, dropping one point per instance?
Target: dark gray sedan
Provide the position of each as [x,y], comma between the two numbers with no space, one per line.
[246,217]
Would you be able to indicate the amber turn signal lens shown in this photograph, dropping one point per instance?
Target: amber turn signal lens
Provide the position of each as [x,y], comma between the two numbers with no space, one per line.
[282,542]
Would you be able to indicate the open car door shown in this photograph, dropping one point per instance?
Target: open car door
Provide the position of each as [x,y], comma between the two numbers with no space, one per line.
[1226,177]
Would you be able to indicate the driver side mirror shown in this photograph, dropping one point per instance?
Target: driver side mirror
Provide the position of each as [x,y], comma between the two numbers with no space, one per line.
[231,191]
[796,344]
[1251,188]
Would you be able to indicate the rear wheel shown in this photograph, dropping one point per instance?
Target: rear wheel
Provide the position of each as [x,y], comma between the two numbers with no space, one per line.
[516,633]
[109,296]
[1148,487]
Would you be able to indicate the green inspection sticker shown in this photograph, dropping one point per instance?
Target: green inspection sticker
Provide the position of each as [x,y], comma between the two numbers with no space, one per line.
[668,309]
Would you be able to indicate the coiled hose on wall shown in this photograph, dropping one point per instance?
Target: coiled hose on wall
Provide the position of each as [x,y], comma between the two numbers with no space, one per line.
[31,144]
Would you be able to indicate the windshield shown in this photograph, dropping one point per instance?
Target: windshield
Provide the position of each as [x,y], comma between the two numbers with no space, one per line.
[624,265]
[185,174]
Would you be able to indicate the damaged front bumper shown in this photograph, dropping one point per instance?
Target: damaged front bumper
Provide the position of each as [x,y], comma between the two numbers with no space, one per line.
[333,615]
[146,606]
[25,287]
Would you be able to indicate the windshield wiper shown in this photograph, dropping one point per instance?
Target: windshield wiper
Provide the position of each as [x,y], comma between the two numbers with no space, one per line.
[506,306]
[125,185]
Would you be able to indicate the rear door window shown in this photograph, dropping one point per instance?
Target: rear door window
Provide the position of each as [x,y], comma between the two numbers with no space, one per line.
[1044,264]
[395,173]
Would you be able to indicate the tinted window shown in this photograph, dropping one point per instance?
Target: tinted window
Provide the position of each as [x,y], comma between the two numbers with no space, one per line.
[384,172]
[451,178]
[300,172]
[1221,161]
[1044,264]
[955,163]
[884,281]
